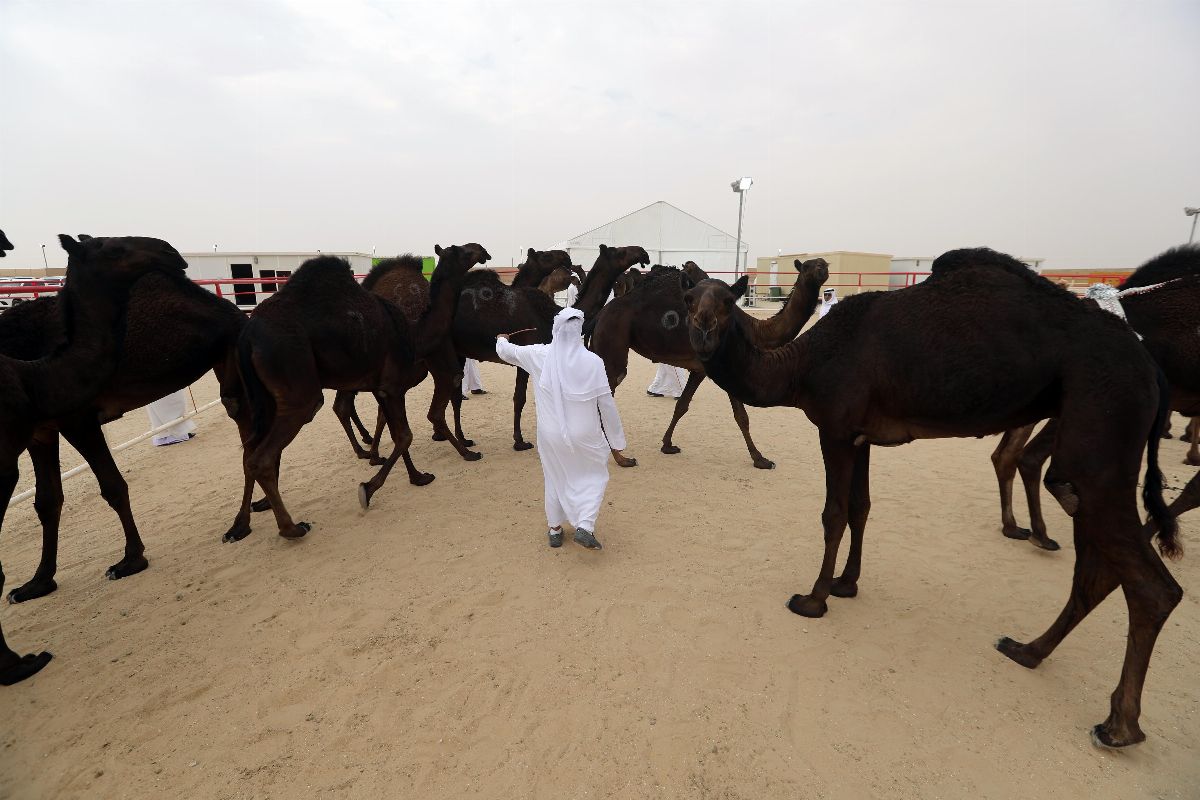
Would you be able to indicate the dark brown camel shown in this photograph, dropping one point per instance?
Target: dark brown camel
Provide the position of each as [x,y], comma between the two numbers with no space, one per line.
[1192,435]
[5,244]
[540,265]
[92,301]
[487,307]
[650,321]
[629,280]
[880,369]
[324,330]
[175,331]
[1161,301]
[400,281]
[558,280]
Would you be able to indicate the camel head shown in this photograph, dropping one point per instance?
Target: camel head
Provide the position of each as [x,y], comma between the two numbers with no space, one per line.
[549,260]
[628,281]
[462,256]
[693,271]
[625,257]
[710,309]
[121,259]
[5,244]
[815,271]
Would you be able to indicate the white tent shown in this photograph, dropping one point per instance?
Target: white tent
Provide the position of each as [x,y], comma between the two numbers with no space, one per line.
[670,236]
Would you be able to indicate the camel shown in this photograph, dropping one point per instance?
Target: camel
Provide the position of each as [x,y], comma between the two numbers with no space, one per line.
[324,330]
[5,244]
[175,331]
[401,282]
[1192,436]
[649,320]
[549,271]
[880,369]
[1161,302]
[92,302]
[629,280]
[487,307]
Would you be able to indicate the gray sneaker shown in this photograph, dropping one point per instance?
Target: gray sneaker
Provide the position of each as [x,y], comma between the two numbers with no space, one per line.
[587,539]
[555,537]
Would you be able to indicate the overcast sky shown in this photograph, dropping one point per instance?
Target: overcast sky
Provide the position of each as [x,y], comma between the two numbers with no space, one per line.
[1063,130]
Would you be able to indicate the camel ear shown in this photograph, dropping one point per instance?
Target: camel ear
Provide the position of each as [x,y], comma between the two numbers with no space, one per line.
[531,252]
[70,245]
[685,282]
[603,247]
[798,264]
[83,237]
[739,286]
[437,248]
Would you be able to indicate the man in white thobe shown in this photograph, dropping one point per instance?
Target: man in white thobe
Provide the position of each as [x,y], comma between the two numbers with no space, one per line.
[169,408]
[828,301]
[472,383]
[668,381]
[571,391]
[572,294]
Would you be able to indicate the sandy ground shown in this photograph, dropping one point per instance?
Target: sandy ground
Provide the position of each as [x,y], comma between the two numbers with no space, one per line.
[434,647]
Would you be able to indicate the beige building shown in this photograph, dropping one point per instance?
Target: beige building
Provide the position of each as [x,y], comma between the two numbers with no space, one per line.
[849,272]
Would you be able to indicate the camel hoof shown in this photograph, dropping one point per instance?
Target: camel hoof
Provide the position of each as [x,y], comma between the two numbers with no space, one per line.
[517,446]
[364,496]
[23,667]
[1016,651]
[236,533]
[471,455]
[1167,435]
[1017,533]
[437,437]
[1101,738]
[1191,462]
[420,479]
[763,463]
[263,504]
[126,567]
[32,590]
[844,588]
[807,606]
[466,442]
[671,449]
[296,531]
[1046,544]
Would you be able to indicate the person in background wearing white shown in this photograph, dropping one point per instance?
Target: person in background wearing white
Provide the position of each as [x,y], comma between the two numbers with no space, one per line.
[168,408]
[575,414]
[472,383]
[668,381]
[829,299]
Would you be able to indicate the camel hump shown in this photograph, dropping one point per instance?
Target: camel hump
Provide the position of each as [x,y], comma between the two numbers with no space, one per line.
[319,274]
[1178,262]
[482,277]
[387,266]
[5,244]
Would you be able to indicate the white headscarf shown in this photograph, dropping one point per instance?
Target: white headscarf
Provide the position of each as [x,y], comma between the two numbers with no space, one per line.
[830,303]
[571,372]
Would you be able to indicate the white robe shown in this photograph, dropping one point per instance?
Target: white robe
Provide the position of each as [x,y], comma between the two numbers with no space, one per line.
[162,411]
[669,381]
[575,471]
[471,379]
[572,294]
[826,305]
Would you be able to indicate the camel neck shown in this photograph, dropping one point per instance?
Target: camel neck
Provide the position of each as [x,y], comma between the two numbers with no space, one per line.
[785,324]
[434,325]
[756,376]
[596,286]
[78,369]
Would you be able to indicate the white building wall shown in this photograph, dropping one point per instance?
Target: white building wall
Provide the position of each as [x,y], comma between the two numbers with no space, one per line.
[669,235]
[262,267]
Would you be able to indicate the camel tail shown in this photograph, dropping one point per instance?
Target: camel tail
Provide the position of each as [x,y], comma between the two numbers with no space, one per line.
[1152,487]
[262,405]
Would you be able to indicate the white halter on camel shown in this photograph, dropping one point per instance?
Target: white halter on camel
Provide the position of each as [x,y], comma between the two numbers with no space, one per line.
[571,372]
[1109,298]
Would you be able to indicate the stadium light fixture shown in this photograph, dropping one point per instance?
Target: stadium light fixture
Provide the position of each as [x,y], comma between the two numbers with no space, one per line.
[741,186]
[1191,212]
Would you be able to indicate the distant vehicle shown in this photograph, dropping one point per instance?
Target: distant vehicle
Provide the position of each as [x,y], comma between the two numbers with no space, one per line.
[33,287]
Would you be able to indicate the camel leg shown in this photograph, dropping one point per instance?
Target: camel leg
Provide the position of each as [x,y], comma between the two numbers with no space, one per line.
[380,421]
[743,421]
[519,394]
[681,407]
[89,441]
[839,474]
[343,409]
[1193,435]
[447,380]
[263,462]
[397,419]
[846,585]
[1004,462]
[13,667]
[1033,456]
[240,528]
[1188,499]
[47,501]
[264,503]
[1093,580]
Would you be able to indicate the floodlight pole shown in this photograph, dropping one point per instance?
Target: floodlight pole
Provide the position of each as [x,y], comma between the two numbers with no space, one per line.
[737,250]
[1194,213]
[44,261]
